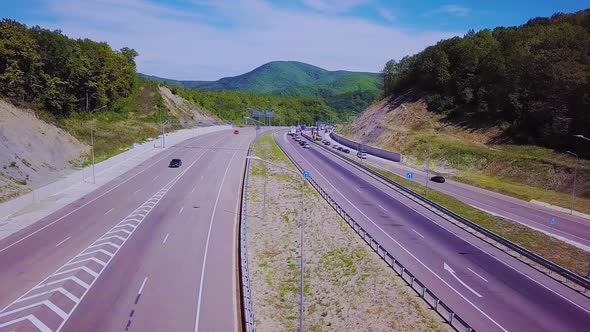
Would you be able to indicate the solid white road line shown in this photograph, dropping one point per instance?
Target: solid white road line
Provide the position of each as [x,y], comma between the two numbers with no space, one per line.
[207,241]
[57,245]
[109,211]
[404,248]
[142,285]
[180,211]
[413,230]
[166,238]
[477,274]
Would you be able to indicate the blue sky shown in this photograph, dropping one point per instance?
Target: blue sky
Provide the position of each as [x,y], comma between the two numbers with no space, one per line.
[210,39]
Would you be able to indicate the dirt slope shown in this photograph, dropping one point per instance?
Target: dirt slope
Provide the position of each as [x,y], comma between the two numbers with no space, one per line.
[179,107]
[32,152]
[471,151]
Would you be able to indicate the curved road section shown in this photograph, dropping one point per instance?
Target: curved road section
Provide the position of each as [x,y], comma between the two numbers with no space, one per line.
[567,227]
[153,250]
[489,289]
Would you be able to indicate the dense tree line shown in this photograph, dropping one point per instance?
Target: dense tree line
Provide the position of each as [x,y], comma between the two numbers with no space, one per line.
[234,106]
[533,80]
[56,73]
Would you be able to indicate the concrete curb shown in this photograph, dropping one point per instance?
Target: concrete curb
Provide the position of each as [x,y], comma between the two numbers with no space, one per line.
[22,211]
[560,209]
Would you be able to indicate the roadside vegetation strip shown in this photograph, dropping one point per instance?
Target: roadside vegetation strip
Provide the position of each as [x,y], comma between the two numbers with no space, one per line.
[347,286]
[557,251]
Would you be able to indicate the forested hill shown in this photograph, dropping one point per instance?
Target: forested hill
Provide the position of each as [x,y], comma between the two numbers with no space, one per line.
[55,73]
[344,91]
[533,81]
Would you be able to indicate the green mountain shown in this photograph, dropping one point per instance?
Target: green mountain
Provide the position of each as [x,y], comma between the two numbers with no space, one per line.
[344,92]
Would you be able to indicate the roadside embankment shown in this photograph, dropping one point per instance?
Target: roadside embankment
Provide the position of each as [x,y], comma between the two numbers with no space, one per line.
[347,287]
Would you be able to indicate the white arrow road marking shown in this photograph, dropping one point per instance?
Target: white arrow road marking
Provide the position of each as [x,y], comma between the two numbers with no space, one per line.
[452,272]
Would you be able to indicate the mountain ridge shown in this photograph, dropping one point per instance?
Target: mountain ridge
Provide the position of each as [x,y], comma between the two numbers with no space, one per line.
[346,92]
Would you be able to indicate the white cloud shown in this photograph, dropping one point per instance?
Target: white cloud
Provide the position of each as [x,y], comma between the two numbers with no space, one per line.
[386,14]
[183,45]
[455,10]
[334,5]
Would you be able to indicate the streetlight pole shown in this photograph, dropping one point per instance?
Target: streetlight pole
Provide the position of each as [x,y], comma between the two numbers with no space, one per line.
[582,137]
[428,168]
[92,149]
[574,182]
[301,224]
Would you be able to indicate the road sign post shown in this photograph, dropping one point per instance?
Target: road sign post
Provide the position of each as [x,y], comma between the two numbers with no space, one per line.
[409,175]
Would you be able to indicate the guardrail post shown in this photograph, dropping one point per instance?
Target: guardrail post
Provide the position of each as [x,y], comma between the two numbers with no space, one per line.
[451,316]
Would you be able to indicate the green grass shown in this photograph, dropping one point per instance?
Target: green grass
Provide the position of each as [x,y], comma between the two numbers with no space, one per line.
[131,120]
[557,251]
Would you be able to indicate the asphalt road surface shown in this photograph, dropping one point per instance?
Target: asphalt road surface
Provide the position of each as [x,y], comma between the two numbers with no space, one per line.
[489,289]
[153,250]
[572,228]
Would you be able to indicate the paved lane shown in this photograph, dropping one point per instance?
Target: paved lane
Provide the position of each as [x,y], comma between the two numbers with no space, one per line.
[162,259]
[572,228]
[489,289]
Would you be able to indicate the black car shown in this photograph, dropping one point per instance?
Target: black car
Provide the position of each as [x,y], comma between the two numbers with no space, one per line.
[175,163]
[339,148]
[438,179]
[346,150]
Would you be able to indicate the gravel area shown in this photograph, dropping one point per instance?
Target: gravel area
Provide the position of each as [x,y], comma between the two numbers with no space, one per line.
[347,286]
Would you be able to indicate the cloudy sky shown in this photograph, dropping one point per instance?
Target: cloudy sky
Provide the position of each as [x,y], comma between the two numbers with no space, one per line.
[210,39]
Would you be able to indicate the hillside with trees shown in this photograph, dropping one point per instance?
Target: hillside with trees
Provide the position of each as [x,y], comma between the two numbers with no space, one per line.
[346,93]
[532,81]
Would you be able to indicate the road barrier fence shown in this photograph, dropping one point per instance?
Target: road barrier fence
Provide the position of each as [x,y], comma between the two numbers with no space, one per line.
[451,317]
[449,215]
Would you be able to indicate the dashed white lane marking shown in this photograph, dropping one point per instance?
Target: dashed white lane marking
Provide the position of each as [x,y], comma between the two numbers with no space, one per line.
[477,274]
[401,246]
[156,177]
[381,207]
[138,190]
[413,230]
[142,285]
[166,238]
[78,271]
[62,242]
[192,191]
[111,209]
[180,211]
[357,189]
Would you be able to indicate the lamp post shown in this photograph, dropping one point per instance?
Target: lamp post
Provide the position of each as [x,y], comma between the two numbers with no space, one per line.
[92,142]
[300,232]
[582,137]
[574,183]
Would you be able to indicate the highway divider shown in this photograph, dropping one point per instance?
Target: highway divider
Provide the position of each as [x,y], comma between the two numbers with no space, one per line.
[426,294]
[515,250]
[393,156]
[248,320]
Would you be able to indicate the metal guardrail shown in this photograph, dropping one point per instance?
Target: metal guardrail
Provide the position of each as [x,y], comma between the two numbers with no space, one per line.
[426,294]
[438,209]
[248,318]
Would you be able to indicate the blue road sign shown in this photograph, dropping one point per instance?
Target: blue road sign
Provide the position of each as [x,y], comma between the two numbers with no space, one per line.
[409,175]
[552,221]
[305,174]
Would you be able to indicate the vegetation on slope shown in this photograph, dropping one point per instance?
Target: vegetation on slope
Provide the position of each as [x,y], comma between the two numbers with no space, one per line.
[56,73]
[472,155]
[532,81]
[234,106]
[344,92]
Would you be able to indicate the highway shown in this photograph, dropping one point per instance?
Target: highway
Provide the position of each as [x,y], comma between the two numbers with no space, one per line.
[573,229]
[489,289]
[153,250]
